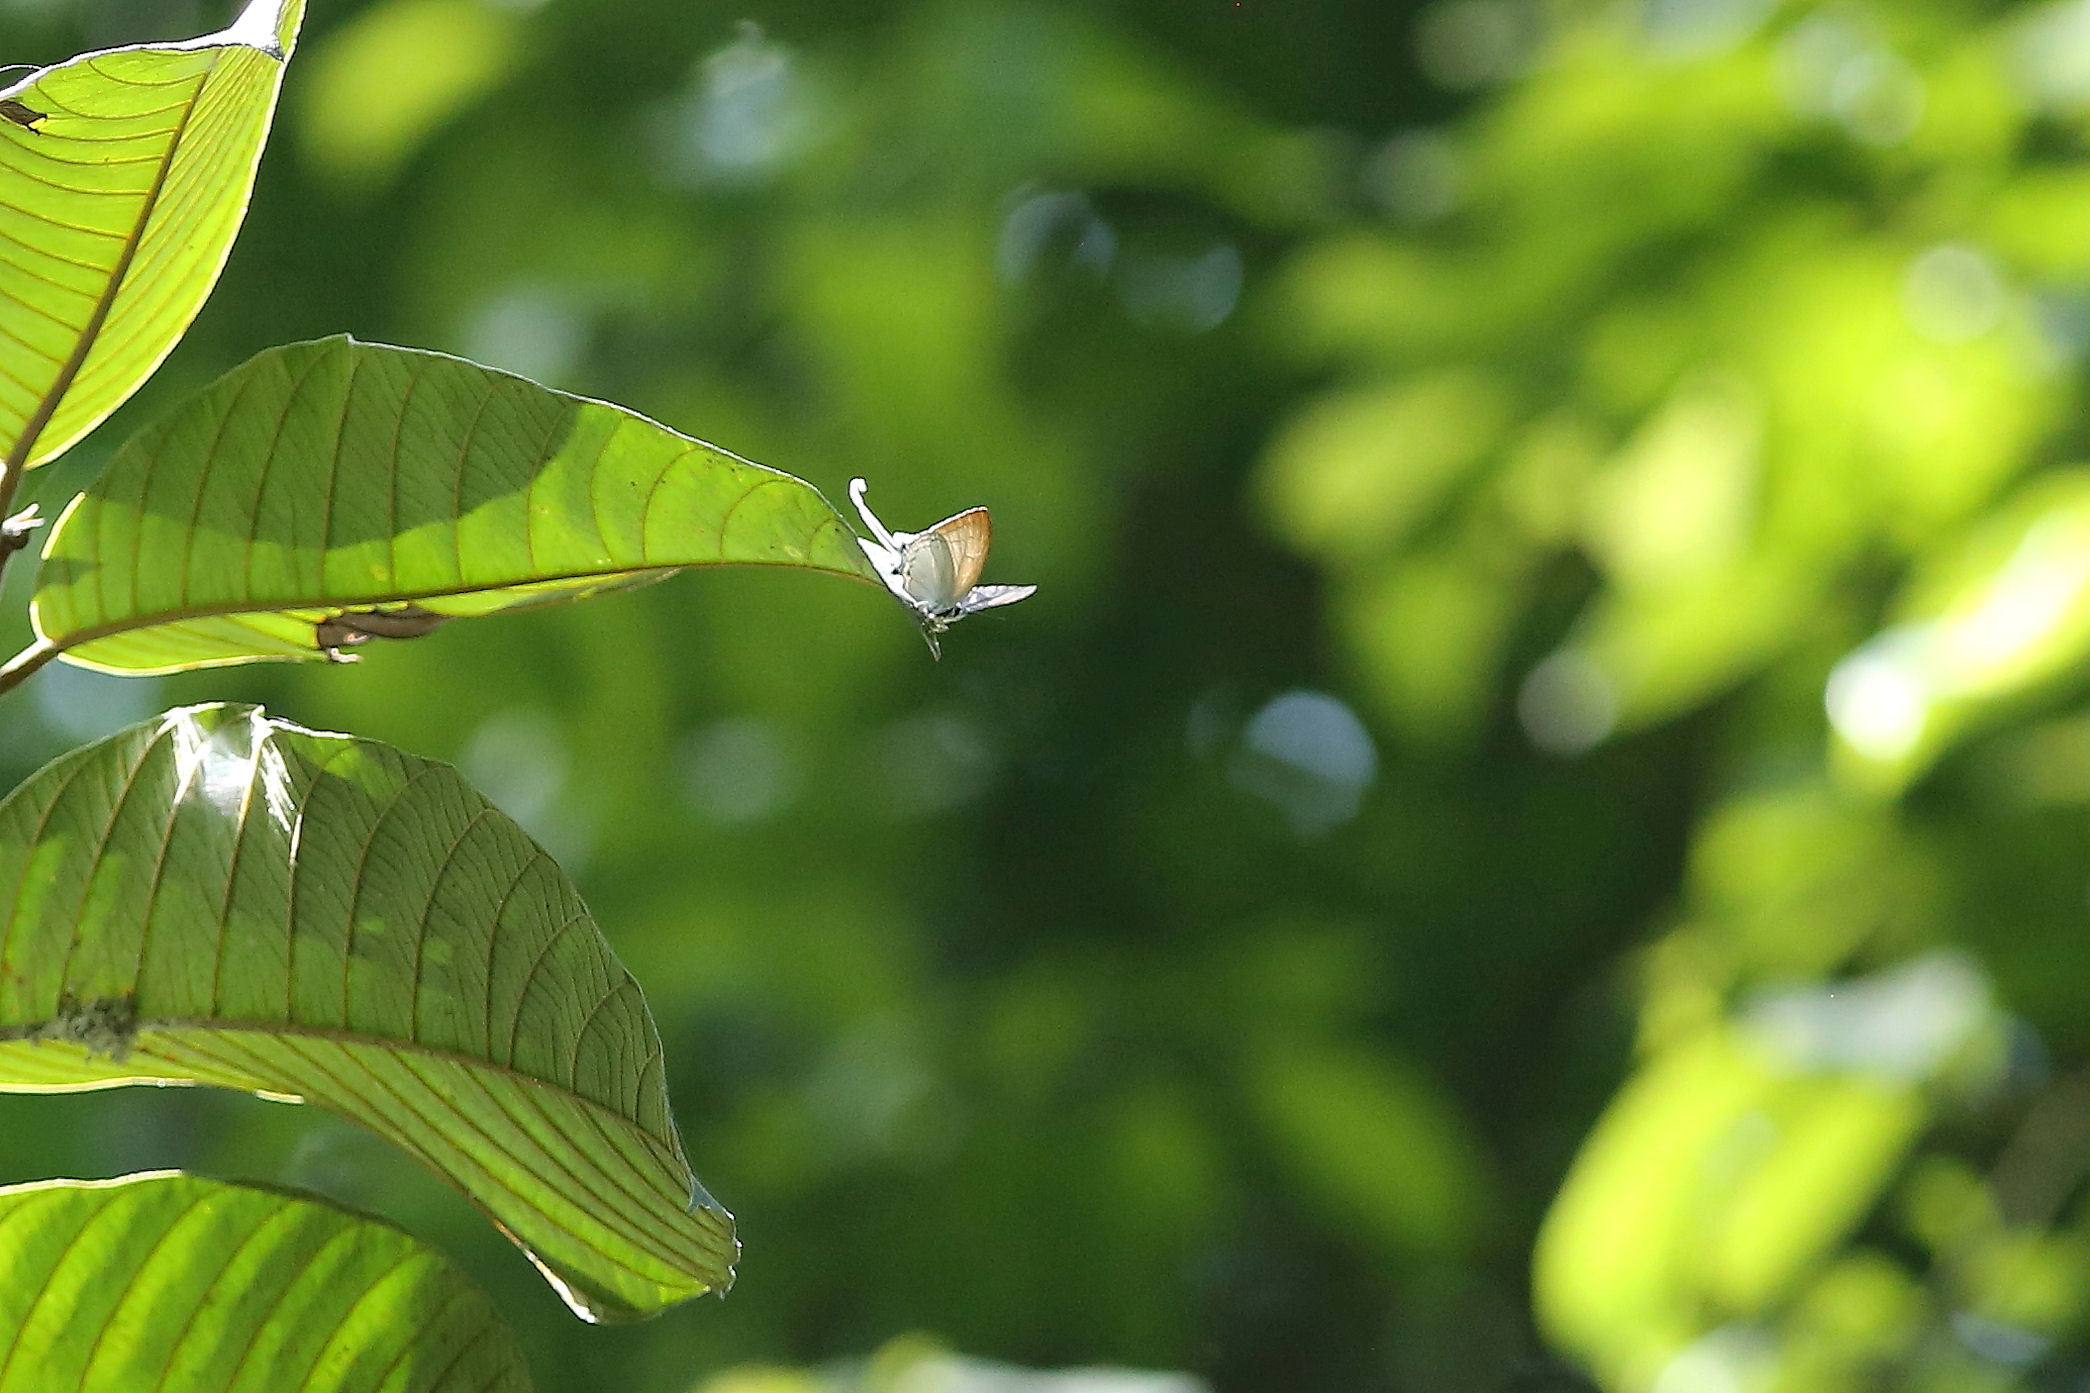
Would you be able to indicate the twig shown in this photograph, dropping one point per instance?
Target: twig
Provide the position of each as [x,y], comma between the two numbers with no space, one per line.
[14,533]
[17,668]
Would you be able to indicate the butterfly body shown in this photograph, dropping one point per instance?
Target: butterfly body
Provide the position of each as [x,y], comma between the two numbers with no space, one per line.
[936,572]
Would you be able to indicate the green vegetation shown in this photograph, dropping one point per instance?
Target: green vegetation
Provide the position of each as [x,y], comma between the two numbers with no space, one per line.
[1532,838]
[172,1281]
[345,478]
[214,897]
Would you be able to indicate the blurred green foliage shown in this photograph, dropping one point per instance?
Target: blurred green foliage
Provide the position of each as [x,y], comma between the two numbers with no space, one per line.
[1534,833]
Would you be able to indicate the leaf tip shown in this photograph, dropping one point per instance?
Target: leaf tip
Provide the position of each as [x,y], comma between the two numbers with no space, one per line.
[269,26]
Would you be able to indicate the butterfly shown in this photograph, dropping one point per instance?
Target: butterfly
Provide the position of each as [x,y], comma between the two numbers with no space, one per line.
[936,573]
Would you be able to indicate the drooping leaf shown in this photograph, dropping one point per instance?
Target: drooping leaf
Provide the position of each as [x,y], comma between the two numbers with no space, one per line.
[121,188]
[216,897]
[337,478]
[164,1282]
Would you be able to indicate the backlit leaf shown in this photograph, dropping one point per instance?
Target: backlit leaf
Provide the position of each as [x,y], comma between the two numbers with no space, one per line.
[121,190]
[164,1282]
[338,478]
[216,897]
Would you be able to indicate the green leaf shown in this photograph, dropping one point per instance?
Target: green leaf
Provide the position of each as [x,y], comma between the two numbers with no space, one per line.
[1715,1181]
[337,477]
[1373,1141]
[165,1282]
[215,897]
[123,180]
[1984,622]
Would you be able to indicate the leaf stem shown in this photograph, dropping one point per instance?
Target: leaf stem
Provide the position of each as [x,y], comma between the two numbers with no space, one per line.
[11,471]
[17,668]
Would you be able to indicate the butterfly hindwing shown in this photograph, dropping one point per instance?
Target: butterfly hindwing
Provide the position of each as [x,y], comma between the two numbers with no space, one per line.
[993,596]
[928,573]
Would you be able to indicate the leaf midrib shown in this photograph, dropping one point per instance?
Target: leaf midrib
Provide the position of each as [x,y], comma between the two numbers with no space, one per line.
[28,1033]
[158,618]
[711,1219]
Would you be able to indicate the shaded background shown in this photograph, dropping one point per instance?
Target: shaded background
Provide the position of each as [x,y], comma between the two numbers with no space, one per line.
[1534,835]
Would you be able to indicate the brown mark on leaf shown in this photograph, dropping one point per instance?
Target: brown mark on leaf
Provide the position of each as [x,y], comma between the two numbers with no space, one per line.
[351,627]
[101,1025]
[21,113]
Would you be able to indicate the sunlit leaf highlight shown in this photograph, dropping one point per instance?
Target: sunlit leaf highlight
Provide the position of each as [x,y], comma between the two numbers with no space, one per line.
[216,897]
[119,203]
[172,1283]
[338,477]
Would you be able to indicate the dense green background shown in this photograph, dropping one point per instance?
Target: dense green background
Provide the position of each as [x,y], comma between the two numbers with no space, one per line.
[1576,403]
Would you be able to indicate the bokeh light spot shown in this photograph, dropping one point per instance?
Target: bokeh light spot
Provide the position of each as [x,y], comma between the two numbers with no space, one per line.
[1188,294]
[1568,704]
[1952,294]
[739,771]
[1307,753]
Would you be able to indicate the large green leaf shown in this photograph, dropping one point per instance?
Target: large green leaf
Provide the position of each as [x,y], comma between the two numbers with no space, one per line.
[341,477]
[216,897]
[123,181]
[169,1282]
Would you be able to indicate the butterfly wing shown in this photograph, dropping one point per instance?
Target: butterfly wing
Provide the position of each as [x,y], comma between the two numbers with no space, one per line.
[927,577]
[888,565]
[936,572]
[968,535]
[993,597]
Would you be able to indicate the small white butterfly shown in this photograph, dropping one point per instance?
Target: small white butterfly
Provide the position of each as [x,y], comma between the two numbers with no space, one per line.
[936,573]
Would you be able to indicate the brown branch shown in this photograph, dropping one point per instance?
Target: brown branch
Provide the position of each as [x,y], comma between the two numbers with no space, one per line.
[18,668]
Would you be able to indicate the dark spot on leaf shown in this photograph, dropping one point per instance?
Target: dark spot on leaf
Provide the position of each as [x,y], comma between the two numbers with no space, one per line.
[22,115]
[351,627]
[101,1025]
